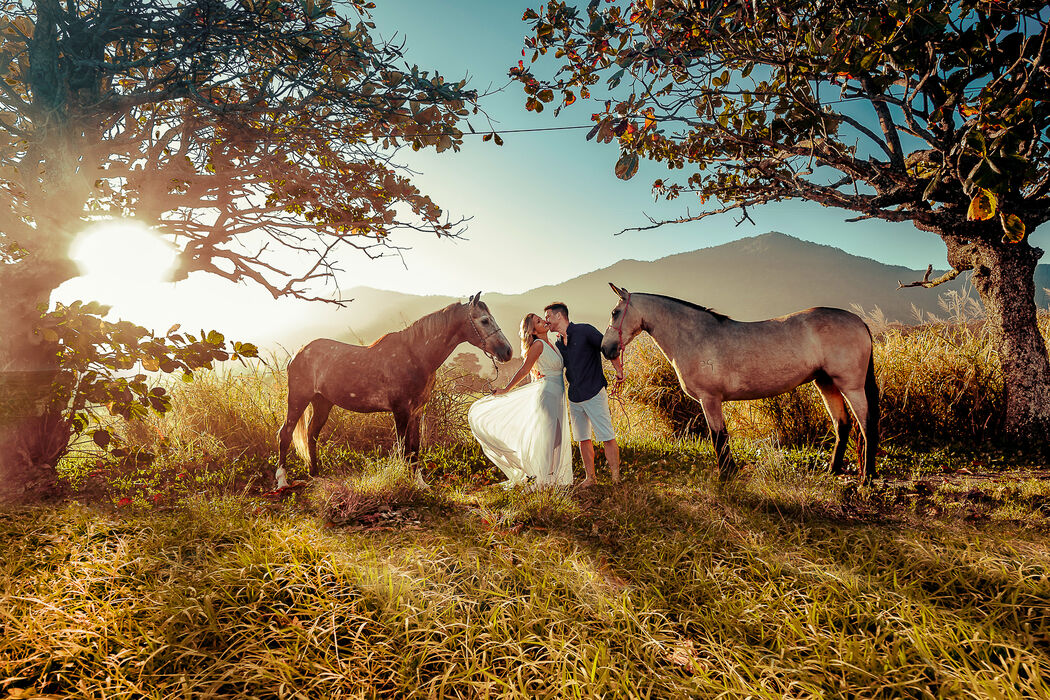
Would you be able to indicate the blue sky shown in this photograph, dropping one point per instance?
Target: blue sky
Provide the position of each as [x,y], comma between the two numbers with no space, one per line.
[544,208]
[546,205]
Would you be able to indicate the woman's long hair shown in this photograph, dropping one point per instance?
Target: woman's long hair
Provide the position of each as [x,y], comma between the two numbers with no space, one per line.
[526,334]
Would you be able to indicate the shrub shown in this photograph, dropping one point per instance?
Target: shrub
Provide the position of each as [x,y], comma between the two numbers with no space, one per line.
[651,382]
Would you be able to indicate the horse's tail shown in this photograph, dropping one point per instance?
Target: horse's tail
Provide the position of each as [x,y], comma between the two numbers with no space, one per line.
[871,428]
[299,436]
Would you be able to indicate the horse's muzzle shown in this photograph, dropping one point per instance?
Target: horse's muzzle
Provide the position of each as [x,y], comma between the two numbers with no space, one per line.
[503,351]
[611,349]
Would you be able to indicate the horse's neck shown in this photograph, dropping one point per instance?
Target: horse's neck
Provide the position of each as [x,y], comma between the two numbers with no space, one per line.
[678,330]
[432,339]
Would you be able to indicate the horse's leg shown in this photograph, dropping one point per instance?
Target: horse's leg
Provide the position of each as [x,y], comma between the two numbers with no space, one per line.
[402,415]
[719,437]
[297,403]
[322,407]
[413,435]
[836,406]
[406,422]
[415,429]
[858,403]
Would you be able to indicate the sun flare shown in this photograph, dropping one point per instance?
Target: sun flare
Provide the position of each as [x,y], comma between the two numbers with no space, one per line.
[122,251]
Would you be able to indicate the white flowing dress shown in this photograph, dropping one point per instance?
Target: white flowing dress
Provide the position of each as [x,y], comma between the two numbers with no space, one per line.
[525,432]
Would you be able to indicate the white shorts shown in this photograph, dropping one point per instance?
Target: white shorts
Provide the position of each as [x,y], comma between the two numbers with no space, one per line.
[592,413]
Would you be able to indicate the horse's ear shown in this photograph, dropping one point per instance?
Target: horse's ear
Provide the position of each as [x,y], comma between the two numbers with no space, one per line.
[474,299]
[622,293]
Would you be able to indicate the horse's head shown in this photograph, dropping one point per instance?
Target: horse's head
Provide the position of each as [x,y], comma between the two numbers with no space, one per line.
[624,324]
[485,333]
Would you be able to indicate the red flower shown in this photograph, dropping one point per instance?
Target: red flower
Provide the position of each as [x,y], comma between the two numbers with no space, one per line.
[124,502]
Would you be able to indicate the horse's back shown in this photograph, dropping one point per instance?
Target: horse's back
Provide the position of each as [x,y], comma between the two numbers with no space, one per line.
[350,376]
[763,358]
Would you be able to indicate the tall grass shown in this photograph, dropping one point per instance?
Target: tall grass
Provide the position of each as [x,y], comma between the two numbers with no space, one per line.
[232,413]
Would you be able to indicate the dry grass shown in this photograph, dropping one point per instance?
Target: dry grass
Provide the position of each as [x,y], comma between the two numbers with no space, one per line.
[666,587]
[234,413]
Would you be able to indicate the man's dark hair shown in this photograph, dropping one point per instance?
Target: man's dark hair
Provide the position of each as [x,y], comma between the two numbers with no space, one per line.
[558,307]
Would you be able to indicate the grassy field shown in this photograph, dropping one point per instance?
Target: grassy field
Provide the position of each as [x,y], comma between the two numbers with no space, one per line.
[790,583]
[171,572]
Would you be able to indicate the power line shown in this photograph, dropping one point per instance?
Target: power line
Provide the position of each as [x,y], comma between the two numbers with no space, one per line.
[841,100]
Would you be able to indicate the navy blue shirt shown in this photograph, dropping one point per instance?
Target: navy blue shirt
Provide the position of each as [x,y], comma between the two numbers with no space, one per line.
[583,361]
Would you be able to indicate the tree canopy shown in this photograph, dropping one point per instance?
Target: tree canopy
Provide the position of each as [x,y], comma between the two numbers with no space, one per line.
[243,131]
[900,111]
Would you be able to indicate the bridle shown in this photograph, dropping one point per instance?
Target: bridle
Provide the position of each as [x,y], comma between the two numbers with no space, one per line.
[617,397]
[619,327]
[482,347]
[482,338]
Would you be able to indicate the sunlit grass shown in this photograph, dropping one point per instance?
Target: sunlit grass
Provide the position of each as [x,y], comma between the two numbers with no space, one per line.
[179,578]
[666,586]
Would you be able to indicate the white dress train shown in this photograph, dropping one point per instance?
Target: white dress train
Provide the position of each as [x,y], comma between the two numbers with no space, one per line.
[525,432]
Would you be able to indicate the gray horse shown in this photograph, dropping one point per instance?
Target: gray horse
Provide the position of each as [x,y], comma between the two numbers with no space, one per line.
[395,373]
[718,359]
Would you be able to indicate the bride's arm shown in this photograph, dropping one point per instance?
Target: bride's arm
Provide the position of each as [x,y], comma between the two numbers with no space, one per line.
[526,364]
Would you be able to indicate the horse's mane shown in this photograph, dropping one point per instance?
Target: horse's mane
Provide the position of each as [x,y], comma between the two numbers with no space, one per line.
[426,326]
[718,317]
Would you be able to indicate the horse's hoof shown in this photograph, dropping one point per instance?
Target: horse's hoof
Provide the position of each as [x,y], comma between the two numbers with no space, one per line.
[281,490]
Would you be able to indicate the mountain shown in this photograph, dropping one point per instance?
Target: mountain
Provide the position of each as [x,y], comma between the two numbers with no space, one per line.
[749,279]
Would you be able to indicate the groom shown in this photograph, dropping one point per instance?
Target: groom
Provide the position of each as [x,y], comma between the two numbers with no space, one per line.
[580,345]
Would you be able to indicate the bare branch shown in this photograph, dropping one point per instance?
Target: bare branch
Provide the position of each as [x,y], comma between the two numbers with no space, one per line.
[927,282]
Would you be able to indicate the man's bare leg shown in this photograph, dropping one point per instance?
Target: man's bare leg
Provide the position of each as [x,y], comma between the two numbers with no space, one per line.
[587,455]
[612,456]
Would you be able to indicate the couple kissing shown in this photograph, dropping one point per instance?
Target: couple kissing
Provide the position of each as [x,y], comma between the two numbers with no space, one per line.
[525,430]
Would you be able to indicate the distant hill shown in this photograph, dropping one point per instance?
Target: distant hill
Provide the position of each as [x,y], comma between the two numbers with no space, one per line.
[749,279]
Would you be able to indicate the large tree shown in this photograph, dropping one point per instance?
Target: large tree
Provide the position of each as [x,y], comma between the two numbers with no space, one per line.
[930,112]
[256,136]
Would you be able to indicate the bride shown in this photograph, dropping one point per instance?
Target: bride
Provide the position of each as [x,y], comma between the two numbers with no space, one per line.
[525,432]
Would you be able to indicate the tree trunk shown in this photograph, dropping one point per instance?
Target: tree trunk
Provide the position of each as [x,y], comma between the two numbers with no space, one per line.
[33,433]
[1003,275]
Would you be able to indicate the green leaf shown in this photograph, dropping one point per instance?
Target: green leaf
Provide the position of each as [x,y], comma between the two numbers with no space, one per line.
[982,206]
[1013,228]
[627,166]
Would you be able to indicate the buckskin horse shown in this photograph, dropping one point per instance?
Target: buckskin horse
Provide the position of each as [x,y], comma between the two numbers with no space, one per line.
[718,359]
[395,373]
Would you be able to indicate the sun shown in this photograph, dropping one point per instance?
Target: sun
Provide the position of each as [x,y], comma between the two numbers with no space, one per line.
[122,252]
